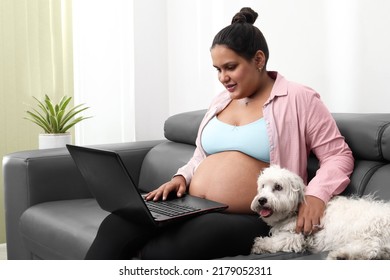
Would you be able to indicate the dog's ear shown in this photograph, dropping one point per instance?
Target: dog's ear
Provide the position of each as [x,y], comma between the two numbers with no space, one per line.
[298,186]
[264,169]
[301,196]
[259,178]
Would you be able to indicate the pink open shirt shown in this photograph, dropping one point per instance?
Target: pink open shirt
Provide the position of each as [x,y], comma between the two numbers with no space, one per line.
[297,123]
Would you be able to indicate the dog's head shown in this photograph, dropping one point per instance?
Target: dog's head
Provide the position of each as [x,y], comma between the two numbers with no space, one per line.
[279,193]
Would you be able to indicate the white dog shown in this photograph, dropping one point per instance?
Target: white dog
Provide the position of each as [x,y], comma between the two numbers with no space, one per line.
[351,228]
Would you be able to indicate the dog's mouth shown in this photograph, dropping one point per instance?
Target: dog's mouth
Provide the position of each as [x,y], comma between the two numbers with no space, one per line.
[265,212]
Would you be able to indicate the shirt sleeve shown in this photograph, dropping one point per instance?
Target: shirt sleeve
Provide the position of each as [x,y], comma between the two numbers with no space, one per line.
[188,170]
[335,157]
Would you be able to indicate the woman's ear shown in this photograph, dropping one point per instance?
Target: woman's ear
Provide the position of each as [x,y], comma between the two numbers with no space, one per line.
[259,59]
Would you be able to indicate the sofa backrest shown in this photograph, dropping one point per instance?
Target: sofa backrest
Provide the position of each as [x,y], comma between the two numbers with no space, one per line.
[162,162]
[368,136]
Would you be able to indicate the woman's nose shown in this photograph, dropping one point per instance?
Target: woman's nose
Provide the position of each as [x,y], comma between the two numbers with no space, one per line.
[223,77]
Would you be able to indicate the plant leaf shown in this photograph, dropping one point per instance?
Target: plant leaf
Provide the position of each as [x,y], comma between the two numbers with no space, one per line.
[40,121]
[64,102]
[54,124]
[71,124]
[71,114]
[49,106]
[53,118]
[59,116]
[57,109]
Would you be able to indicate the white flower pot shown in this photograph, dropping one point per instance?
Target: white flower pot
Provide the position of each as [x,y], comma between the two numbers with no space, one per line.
[50,141]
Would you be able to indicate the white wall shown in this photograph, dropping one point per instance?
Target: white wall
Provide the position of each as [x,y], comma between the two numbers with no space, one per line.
[191,28]
[151,86]
[339,48]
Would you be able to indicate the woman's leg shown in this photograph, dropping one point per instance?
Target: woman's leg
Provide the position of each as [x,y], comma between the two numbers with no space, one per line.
[209,236]
[118,238]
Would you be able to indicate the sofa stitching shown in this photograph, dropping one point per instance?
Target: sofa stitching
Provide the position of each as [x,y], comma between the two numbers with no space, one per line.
[367,177]
[380,136]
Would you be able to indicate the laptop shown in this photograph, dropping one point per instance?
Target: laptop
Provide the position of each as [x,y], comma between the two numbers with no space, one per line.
[115,191]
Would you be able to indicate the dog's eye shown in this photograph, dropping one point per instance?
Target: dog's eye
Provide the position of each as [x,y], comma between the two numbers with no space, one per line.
[262,186]
[278,187]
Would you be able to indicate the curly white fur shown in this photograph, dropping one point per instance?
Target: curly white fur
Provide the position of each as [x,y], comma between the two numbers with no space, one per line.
[352,227]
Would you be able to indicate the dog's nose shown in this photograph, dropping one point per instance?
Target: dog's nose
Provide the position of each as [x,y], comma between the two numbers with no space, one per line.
[262,201]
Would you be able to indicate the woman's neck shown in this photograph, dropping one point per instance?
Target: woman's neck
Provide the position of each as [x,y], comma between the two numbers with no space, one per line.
[262,93]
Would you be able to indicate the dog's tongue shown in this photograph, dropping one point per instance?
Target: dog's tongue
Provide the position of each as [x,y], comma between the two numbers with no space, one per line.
[265,212]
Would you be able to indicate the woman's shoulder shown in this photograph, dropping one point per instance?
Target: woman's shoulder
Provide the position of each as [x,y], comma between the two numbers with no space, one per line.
[300,90]
[291,89]
[296,93]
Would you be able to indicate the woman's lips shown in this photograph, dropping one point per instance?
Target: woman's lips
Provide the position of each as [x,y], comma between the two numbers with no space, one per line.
[231,87]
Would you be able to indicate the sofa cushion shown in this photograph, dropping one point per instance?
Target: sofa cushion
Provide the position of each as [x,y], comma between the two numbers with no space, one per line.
[62,229]
[385,141]
[366,134]
[379,184]
[162,162]
[183,127]
[362,173]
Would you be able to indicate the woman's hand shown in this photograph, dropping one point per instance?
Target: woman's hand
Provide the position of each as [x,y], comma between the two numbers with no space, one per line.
[309,215]
[177,184]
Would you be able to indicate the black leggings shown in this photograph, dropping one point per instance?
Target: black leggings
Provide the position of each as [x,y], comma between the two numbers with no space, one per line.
[209,236]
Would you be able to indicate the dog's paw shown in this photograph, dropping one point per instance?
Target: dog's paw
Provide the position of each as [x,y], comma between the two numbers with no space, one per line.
[338,255]
[258,250]
[258,246]
[356,254]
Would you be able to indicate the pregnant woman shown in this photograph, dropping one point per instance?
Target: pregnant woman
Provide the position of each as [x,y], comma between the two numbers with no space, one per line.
[258,120]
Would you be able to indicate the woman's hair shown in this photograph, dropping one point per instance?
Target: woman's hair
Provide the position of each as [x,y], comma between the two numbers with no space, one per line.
[242,36]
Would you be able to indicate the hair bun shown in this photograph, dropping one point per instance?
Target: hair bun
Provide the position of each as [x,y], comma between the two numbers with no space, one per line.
[245,15]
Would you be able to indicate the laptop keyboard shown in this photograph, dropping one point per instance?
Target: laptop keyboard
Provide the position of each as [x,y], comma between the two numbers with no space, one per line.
[168,208]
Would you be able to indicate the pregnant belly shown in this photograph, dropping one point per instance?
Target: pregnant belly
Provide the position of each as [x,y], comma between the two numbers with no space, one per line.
[228,177]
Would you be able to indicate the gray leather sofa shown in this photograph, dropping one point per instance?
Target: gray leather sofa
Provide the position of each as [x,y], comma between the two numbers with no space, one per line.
[50,214]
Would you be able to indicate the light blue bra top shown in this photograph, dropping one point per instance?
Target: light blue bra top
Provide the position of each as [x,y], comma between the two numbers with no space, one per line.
[250,139]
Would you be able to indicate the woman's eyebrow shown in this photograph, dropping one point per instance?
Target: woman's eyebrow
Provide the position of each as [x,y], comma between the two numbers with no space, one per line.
[225,64]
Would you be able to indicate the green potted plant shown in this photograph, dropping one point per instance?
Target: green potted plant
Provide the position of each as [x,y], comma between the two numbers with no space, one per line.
[55,120]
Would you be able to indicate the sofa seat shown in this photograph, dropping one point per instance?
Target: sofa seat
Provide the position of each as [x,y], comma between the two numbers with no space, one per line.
[62,230]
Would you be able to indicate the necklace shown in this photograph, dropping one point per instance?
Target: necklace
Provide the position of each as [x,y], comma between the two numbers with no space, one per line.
[246,100]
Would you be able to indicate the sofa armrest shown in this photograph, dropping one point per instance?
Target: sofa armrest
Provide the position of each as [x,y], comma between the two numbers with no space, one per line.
[47,175]
[32,177]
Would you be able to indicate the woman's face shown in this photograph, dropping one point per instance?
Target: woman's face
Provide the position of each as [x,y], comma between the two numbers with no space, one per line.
[238,75]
